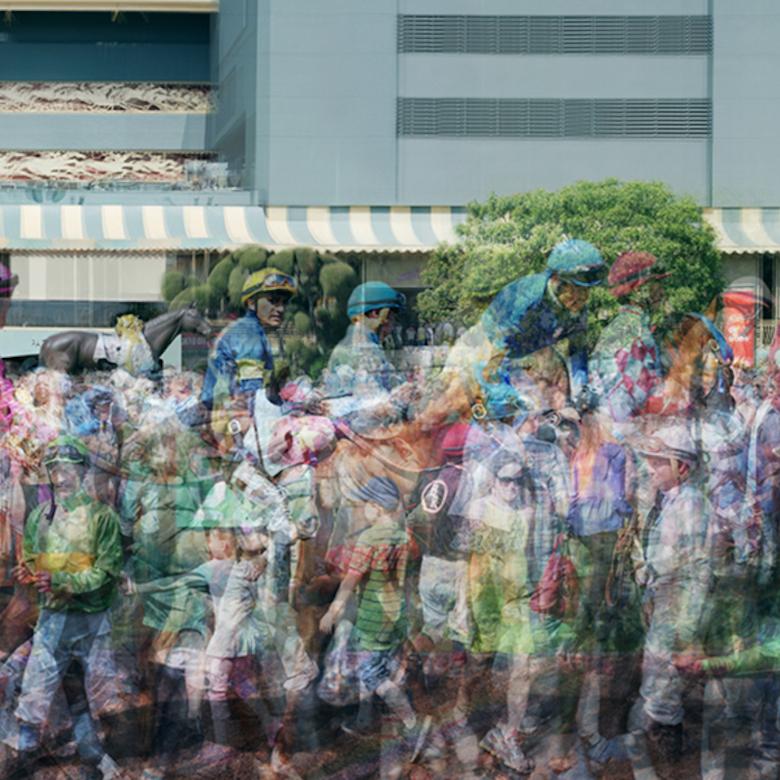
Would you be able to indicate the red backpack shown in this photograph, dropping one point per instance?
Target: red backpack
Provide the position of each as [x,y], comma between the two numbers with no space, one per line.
[558,590]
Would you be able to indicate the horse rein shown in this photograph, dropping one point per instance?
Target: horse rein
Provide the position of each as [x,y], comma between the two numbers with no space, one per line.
[364,443]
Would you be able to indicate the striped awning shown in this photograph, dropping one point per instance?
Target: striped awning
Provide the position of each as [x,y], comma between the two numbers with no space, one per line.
[745,230]
[138,228]
[333,228]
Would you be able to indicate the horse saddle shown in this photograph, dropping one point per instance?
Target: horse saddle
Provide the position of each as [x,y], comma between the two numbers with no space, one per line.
[135,356]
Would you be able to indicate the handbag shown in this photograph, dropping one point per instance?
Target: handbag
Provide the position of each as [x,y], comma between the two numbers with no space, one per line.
[557,592]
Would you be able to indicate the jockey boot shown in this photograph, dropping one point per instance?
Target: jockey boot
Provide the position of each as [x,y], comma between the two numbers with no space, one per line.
[364,722]
[665,745]
[222,723]
[226,732]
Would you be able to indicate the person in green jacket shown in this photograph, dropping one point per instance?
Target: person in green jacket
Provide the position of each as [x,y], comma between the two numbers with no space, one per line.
[72,554]
[744,686]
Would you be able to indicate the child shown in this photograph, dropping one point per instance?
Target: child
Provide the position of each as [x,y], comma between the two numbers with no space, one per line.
[378,565]
[239,517]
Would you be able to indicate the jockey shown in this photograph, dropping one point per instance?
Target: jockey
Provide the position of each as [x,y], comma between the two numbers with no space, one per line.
[72,554]
[242,353]
[528,315]
[359,376]
[626,363]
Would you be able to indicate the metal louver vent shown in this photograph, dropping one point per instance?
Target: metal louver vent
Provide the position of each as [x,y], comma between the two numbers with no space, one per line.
[554,34]
[568,118]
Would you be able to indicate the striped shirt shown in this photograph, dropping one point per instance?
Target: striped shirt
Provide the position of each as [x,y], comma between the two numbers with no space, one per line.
[380,556]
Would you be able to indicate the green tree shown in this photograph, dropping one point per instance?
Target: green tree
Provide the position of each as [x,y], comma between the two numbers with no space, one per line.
[173,283]
[219,277]
[509,236]
[251,258]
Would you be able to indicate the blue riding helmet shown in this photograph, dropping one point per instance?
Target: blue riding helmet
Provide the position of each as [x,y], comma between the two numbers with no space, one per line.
[577,262]
[374,295]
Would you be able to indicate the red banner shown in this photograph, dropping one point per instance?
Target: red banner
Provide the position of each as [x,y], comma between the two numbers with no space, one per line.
[739,325]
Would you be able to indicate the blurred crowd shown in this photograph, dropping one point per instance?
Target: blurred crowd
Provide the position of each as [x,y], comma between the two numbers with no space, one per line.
[532,561]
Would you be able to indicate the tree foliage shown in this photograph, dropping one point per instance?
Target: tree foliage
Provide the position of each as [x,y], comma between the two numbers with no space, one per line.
[509,236]
[173,283]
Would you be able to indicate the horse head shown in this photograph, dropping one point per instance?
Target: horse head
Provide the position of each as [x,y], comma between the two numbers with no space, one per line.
[192,321]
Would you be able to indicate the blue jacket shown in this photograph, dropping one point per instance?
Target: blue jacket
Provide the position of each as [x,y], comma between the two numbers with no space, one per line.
[239,360]
[524,318]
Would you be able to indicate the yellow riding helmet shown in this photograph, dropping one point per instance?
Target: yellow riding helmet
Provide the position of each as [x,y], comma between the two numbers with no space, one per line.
[267,280]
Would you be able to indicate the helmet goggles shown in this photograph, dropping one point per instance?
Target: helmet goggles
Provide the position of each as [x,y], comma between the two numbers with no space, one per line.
[590,276]
[268,282]
[66,450]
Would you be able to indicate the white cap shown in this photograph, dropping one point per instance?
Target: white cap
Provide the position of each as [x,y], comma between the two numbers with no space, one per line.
[670,441]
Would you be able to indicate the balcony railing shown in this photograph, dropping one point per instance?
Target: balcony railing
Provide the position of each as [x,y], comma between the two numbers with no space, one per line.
[116,6]
[104,97]
[114,171]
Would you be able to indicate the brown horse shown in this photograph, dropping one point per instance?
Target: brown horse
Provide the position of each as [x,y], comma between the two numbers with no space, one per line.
[402,451]
[695,355]
[74,350]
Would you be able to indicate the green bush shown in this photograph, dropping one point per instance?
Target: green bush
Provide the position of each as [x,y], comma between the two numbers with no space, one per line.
[301,323]
[284,261]
[219,276]
[203,297]
[337,280]
[322,316]
[293,348]
[235,284]
[301,355]
[316,366]
[173,282]
[252,258]
[307,261]
[183,299]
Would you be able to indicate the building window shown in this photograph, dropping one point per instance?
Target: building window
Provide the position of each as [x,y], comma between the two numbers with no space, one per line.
[543,118]
[195,263]
[554,34]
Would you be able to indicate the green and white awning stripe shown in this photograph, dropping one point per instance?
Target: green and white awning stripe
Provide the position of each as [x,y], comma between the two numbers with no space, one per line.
[122,227]
[333,228]
[745,230]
